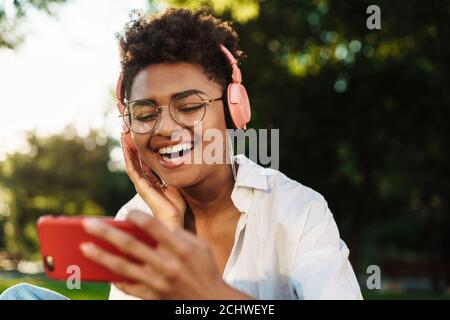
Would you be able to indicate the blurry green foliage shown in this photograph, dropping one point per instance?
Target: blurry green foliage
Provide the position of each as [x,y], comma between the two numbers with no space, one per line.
[240,10]
[61,174]
[363,115]
[363,118]
[12,15]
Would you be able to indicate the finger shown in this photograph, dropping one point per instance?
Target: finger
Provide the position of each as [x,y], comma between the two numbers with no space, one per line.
[131,165]
[150,176]
[158,265]
[135,171]
[176,198]
[117,264]
[124,267]
[137,166]
[143,171]
[160,233]
[154,180]
[150,195]
[138,290]
[188,237]
[125,242]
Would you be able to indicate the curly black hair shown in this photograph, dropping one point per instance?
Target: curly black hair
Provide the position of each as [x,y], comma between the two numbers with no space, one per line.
[178,35]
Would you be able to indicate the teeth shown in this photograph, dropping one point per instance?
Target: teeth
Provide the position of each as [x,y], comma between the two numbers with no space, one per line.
[187,146]
[174,160]
[177,148]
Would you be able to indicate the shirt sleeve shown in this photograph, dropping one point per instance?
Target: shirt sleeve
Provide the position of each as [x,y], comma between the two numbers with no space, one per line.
[117,294]
[321,269]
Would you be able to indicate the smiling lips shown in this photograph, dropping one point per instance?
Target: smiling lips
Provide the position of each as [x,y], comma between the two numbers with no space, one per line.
[173,156]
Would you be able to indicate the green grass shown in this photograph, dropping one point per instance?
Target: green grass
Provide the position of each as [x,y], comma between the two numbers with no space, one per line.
[100,291]
[88,290]
[406,295]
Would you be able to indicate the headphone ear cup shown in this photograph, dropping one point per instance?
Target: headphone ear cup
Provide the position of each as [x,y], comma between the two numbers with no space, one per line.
[239,105]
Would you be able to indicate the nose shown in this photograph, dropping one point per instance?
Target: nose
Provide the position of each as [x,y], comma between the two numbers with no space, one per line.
[166,124]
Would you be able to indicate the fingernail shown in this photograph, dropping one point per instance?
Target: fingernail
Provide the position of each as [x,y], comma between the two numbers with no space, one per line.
[91,225]
[86,247]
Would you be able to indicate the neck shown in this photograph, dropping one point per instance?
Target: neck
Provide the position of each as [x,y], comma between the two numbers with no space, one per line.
[212,196]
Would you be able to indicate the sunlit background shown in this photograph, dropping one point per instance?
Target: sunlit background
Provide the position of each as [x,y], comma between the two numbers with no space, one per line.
[63,72]
[363,118]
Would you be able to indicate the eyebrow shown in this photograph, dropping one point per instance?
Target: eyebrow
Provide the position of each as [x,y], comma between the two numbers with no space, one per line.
[180,94]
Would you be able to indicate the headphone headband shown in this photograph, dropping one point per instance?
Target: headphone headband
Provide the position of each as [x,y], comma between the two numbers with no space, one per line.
[237,98]
[236,76]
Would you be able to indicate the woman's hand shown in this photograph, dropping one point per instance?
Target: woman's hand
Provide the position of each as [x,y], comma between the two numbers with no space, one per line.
[182,266]
[168,205]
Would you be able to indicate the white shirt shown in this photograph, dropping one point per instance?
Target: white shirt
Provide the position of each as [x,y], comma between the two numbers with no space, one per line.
[287,244]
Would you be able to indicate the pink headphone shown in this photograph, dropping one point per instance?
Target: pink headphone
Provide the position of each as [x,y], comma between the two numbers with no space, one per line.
[238,102]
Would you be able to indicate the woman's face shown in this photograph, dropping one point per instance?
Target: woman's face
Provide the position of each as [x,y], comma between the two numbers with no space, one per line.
[160,82]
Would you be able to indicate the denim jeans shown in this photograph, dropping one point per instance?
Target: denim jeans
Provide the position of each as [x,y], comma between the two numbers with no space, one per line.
[23,291]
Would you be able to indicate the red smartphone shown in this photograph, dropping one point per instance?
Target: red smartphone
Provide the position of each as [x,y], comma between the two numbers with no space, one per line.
[60,238]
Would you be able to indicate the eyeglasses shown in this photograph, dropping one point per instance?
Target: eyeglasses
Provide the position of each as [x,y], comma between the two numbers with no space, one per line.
[187,109]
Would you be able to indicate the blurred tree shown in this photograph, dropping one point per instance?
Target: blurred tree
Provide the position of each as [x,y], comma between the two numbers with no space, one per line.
[13,13]
[240,10]
[62,174]
[362,115]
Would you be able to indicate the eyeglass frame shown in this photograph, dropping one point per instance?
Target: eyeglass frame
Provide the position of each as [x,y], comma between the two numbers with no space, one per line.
[126,105]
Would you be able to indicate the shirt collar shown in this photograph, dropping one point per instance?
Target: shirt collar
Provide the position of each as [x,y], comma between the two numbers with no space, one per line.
[250,174]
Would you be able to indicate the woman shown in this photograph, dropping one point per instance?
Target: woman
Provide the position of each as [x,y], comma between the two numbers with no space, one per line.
[225,231]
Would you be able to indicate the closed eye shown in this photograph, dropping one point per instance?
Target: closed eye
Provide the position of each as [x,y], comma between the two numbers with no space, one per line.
[145,117]
[188,108]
